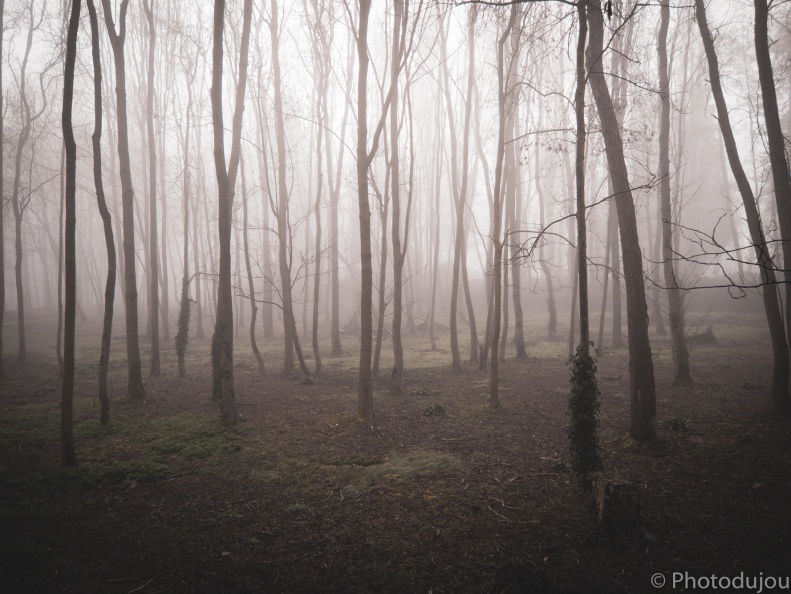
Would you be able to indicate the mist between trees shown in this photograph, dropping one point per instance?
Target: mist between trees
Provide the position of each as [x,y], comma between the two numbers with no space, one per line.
[327,175]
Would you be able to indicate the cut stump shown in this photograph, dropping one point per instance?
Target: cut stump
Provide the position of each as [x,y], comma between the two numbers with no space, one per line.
[616,507]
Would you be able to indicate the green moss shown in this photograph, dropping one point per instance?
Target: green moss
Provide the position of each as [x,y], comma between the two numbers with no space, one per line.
[189,435]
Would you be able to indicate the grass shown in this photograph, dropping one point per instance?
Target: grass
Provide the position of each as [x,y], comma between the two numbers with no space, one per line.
[417,462]
[133,448]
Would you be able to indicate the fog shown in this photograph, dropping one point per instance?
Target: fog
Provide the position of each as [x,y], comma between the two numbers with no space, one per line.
[298,153]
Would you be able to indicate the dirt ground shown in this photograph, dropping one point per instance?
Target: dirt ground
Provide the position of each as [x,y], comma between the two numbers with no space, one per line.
[440,495]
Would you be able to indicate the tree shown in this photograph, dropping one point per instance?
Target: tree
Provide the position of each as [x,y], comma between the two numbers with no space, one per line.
[583,403]
[153,245]
[401,8]
[641,367]
[185,309]
[68,456]
[674,294]
[766,267]
[504,90]
[20,203]
[365,404]
[250,286]
[291,339]
[2,193]
[135,390]
[109,240]
[222,342]
[459,186]
[365,156]
[777,148]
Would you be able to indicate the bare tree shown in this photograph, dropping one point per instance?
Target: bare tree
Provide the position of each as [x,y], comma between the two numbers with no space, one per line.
[291,339]
[248,266]
[19,202]
[68,456]
[222,347]
[777,148]
[459,185]
[153,243]
[674,294]
[109,240]
[583,403]
[2,193]
[772,307]
[504,90]
[641,367]
[135,390]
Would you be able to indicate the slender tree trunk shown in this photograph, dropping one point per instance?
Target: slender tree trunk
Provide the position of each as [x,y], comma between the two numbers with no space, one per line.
[365,406]
[197,271]
[674,294]
[164,277]
[59,332]
[583,403]
[600,341]
[395,180]
[641,367]
[777,154]
[267,314]
[516,264]
[153,246]
[109,240]
[460,183]
[552,312]
[222,343]
[248,266]
[283,230]
[17,203]
[504,90]
[183,324]
[2,193]
[384,213]
[574,308]
[135,390]
[772,306]
[68,456]
[439,143]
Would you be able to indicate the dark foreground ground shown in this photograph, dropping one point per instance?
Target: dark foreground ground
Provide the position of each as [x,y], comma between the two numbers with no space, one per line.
[440,495]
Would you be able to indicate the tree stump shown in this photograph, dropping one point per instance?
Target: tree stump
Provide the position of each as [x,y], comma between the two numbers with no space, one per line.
[616,507]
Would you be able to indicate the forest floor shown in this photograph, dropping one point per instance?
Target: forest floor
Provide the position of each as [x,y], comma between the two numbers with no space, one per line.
[440,495]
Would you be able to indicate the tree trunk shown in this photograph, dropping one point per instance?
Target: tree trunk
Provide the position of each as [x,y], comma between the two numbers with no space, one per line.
[516,264]
[399,18]
[777,154]
[460,183]
[641,367]
[552,312]
[135,390]
[250,286]
[153,246]
[381,310]
[226,178]
[283,231]
[59,332]
[674,294]
[2,193]
[583,403]
[365,405]
[335,192]
[267,314]
[17,203]
[109,240]
[183,323]
[766,267]
[504,90]
[68,456]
